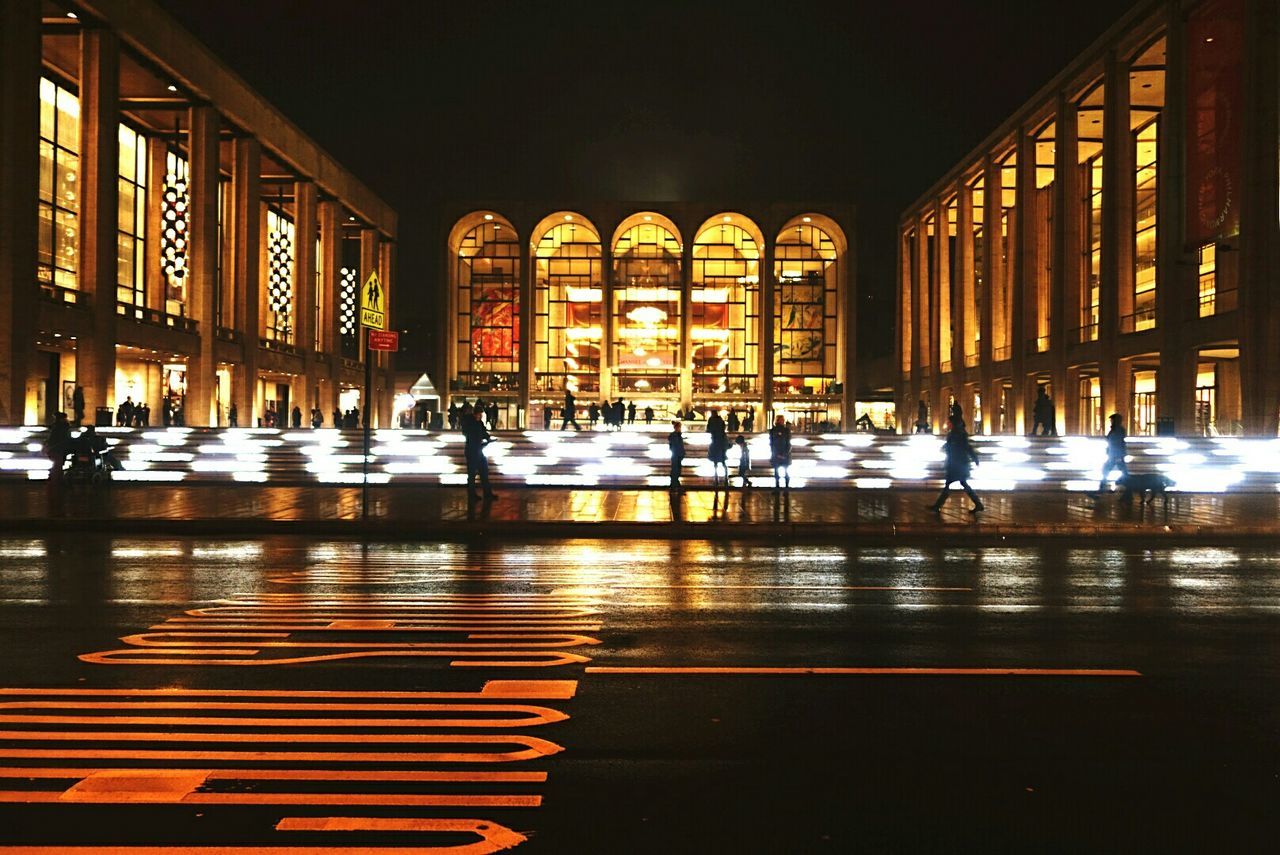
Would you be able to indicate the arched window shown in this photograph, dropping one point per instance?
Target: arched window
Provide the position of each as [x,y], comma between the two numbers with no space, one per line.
[568,298]
[647,301]
[487,286]
[724,306]
[807,275]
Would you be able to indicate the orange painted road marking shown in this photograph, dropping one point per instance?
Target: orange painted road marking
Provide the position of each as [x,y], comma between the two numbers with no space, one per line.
[274,639]
[155,657]
[414,776]
[538,690]
[532,753]
[541,747]
[74,796]
[868,672]
[495,837]
[535,716]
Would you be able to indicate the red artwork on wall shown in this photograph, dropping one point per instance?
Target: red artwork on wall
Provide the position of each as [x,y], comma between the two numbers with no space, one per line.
[1215,47]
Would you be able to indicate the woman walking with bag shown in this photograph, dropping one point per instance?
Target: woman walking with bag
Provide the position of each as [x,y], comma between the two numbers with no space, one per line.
[960,455]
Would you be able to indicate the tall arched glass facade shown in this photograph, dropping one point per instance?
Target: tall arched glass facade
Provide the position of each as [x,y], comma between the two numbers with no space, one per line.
[695,311]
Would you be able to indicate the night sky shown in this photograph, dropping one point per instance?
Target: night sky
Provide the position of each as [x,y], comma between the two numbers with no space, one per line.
[648,101]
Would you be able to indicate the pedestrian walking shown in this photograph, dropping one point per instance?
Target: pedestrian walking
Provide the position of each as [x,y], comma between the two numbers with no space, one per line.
[675,444]
[718,449]
[475,439]
[233,416]
[1116,453]
[569,414]
[780,452]
[922,417]
[744,461]
[631,412]
[960,456]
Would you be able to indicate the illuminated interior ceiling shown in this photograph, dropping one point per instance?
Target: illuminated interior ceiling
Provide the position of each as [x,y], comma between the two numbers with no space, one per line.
[637,457]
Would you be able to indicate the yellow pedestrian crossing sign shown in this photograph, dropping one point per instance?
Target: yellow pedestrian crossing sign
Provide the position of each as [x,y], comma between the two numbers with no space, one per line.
[373,303]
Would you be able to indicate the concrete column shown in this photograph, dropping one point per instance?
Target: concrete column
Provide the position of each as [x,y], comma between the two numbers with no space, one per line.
[1175,274]
[919,332]
[607,288]
[154,281]
[203,231]
[992,269]
[386,359]
[304,291]
[962,325]
[1064,289]
[685,362]
[1259,240]
[528,310]
[19,189]
[247,190]
[940,285]
[368,263]
[901,340]
[99,216]
[1022,246]
[1117,231]
[330,338]
[768,313]
[848,348]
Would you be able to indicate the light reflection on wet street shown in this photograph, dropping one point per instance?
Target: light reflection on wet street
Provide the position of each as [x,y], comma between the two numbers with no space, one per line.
[635,696]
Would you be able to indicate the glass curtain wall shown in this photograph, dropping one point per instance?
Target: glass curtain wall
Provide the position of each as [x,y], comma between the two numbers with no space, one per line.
[568,297]
[647,307]
[725,296]
[1089,130]
[1146,100]
[132,219]
[807,276]
[174,250]
[486,280]
[280,253]
[58,248]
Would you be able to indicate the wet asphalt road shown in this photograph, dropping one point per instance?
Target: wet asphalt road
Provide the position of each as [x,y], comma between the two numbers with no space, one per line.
[286,693]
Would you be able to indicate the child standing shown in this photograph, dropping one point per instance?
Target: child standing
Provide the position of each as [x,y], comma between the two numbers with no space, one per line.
[744,461]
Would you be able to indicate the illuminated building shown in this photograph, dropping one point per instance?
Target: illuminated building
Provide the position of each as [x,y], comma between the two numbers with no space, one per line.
[669,305]
[1115,240]
[166,235]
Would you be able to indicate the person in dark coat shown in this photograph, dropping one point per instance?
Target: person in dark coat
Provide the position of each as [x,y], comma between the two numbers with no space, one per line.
[922,417]
[337,417]
[492,414]
[744,461]
[296,415]
[476,438]
[233,416]
[547,413]
[569,414]
[619,414]
[77,404]
[675,444]
[1040,413]
[960,456]
[734,423]
[648,415]
[631,412]
[749,421]
[58,444]
[718,450]
[780,452]
[125,415]
[453,415]
[1115,452]
[593,415]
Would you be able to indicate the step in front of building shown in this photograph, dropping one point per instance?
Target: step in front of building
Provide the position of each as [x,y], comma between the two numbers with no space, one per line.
[634,458]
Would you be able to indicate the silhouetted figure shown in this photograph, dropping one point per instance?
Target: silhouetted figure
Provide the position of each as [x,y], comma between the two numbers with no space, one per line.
[57,445]
[631,412]
[749,422]
[648,415]
[619,414]
[165,414]
[124,415]
[1040,413]
[233,416]
[1051,416]
[675,444]
[718,449]
[453,415]
[337,417]
[546,416]
[593,415]
[780,452]
[476,438]
[744,461]
[569,414]
[77,404]
[1115,452]
[955,412]
[296,415]
[734,423]
[143,416]
[492,413]
[317,418]
[960,456]
[922,417]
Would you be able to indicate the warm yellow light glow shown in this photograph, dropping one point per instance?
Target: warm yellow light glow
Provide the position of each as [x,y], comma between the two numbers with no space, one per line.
[807,219]
[642,383]
[571,349]
[570,362]
[639,351]
[727,218]
[710,295]
[649,295]
[653,362]
[647,315]
[568,216]
[584,333]
[646,333]
[709,334]
[488,216]
[584,295]
[647,218]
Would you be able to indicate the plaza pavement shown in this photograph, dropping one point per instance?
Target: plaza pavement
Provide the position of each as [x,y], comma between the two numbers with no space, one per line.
[444,513]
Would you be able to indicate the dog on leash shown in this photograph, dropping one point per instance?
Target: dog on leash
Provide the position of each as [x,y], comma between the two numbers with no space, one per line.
[1147,485]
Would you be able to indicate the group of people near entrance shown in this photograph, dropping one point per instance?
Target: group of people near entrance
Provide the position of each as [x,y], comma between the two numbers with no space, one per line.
[718,453]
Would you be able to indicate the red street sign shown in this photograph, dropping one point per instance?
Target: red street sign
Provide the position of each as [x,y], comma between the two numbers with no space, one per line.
[379,340]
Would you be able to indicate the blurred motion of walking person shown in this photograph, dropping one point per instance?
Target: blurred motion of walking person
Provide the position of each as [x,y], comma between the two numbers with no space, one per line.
[675,444]
[1115,452]
[960,456]
[780,452]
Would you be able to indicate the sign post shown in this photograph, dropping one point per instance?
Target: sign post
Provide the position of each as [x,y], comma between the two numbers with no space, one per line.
[373,316]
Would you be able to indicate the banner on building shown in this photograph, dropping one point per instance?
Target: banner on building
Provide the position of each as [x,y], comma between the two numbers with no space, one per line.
[1215,55]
